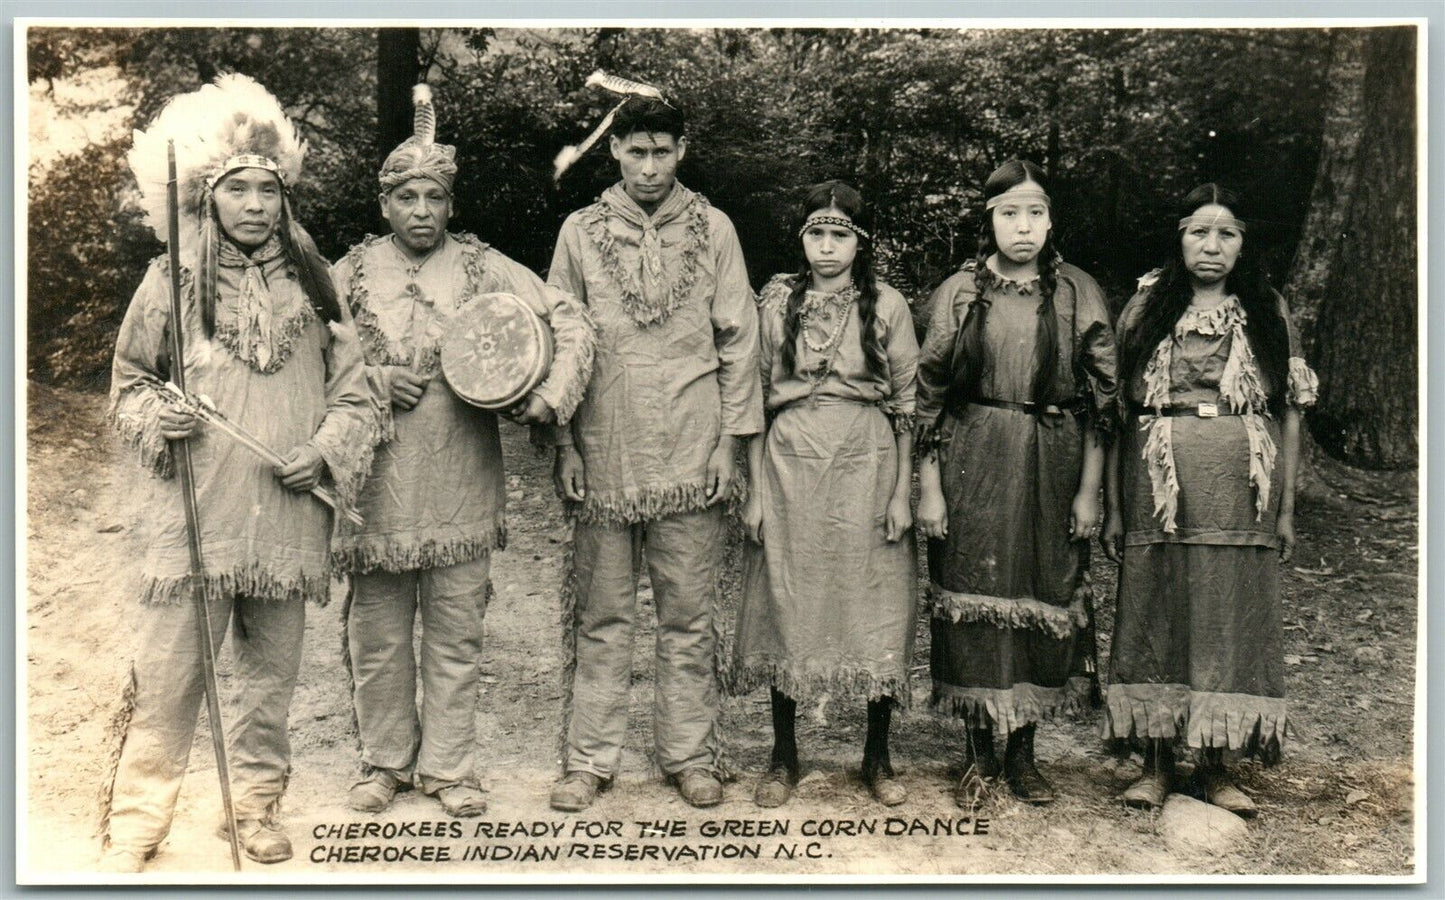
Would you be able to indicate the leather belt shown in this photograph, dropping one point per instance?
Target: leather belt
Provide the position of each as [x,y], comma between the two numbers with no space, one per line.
[1048,409]
[1200,410]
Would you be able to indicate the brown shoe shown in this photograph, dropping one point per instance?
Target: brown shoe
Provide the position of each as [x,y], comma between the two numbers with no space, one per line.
[576,791]
[462,801]
[698,787]
[123,860]
[775,788]
[887,789]
[1223,793]
[375,792]
[1148,792]
[262,841]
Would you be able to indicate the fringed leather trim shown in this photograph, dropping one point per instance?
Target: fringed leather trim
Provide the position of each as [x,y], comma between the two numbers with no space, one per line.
[773,298]
[643,312]
[842,682]
[627,507]
[570,385]
[568,598]
[251,581]
[1304,385]
[715,744]
[365,769]
[349,458]
[391,553]
[283,340]
[1011,612]
[115,734]
[1254,725]
[140,431]
[474,264]
[1002,709]
[379,349]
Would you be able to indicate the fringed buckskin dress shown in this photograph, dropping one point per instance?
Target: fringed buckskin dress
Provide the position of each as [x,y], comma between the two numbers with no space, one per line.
[1008,587]
[828,604]
[1198,639]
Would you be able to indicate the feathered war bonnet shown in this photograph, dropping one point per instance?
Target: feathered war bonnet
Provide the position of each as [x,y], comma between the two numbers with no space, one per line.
[232,124]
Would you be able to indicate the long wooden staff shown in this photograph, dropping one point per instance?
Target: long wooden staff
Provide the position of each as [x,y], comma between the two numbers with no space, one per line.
[181,450]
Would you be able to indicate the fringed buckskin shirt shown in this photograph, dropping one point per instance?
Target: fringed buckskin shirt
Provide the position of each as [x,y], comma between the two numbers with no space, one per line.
[436,496]
[677,350]
[279,372]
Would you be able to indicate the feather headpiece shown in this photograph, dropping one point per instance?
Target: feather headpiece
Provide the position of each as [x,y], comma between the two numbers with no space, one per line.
[420,156]
[617,85]
[232,124]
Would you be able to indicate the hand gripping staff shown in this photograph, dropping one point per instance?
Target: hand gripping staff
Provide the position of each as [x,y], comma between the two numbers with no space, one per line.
[181,449]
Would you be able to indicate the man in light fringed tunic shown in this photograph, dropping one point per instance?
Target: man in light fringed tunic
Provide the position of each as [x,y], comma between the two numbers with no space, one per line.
[647,464]
[267,342]
[434,502]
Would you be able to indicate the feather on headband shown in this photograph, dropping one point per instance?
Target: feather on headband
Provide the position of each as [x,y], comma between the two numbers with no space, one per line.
[617,85]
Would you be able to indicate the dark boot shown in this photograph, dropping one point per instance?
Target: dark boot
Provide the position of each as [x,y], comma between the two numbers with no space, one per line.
[776,787]
[980,763]
[877,768]
[1149,791]
[1023,777]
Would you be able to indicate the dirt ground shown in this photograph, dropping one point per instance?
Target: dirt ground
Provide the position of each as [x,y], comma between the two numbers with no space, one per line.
[1342,803]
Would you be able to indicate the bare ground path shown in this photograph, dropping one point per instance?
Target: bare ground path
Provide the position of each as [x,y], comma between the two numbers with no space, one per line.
[1341,803]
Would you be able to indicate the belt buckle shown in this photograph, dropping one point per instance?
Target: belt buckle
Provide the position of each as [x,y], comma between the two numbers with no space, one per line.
[1208,411]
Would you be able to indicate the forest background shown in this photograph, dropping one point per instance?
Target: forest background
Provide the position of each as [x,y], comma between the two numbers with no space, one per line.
[1315,126]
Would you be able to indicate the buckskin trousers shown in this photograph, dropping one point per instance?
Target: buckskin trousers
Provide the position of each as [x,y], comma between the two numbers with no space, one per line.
[684,557]
[168,685]
[437,744]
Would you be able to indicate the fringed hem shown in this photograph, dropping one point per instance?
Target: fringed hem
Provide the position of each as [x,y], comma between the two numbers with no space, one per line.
[628,507]
[568,603]
[141,432]
[1254,725]
[389,553]
[115,734]
[1011,612]
[251,581]
[841,682]
[1002,709]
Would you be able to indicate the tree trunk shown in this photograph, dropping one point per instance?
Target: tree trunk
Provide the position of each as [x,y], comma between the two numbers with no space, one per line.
[1356,265]
[398,67]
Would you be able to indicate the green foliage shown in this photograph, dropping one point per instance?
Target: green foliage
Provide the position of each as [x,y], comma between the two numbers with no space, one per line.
[1124,120]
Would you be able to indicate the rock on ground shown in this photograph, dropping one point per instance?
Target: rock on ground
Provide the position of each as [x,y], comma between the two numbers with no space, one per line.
[1190,826]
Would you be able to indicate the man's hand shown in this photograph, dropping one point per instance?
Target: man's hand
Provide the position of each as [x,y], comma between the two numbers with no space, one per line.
[1112,537]
[177,423]
[532,411]
[301,469]
[407,388]
[721,467]
[569,474]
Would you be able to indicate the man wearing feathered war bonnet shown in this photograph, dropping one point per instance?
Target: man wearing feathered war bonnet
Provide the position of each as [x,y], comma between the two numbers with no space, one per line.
[434,502]
[267,342]
[647,463]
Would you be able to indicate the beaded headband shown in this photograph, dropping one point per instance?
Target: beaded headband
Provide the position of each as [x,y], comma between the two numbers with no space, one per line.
[244,161]
[1009,196]
[1212,222]
[834,220]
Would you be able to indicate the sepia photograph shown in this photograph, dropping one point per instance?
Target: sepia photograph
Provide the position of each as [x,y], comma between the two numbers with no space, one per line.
[741,451]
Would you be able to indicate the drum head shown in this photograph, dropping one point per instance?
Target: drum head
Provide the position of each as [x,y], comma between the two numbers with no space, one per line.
[496,351]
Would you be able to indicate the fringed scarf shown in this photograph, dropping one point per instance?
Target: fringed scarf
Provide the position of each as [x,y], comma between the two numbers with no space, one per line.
[647,294]
[259,335]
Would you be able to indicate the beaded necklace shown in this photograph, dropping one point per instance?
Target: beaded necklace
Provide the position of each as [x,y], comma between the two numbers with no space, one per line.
[814,302]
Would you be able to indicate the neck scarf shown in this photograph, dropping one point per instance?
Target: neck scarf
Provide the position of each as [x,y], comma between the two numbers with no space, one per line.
[647,293]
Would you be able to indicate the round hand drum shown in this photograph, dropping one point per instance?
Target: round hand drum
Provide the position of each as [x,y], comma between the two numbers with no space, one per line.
[496,351]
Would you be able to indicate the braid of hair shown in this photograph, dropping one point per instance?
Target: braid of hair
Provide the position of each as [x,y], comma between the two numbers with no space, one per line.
[1046,333]
[792,322]
[868,336]
[970,353]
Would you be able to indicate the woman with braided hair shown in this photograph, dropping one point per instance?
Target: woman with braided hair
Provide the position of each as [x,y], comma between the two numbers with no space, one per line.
[828,602]
[1016,396]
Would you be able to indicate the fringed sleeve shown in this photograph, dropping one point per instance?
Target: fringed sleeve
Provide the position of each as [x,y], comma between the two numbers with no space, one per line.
[901,347]
[1098,357]
[346,276]
[348,434]
[772,307]
[566,274]
[735,332]
[574,337]
[949,303]
[141,358]
[1303,389]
